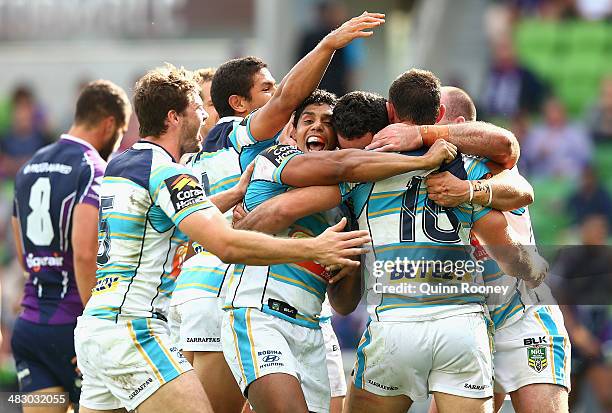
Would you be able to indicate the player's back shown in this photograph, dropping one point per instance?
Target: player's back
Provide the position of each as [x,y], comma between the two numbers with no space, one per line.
[47,188]
[421,254]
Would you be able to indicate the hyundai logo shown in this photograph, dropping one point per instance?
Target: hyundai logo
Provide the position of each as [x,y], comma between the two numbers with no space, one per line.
[270,358]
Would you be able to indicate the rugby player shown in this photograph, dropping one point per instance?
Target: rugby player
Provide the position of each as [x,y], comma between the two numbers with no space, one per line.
[391,391]
[532,348]
[271,334]
[253,111]
[204,79]
[147,203]
[56,235]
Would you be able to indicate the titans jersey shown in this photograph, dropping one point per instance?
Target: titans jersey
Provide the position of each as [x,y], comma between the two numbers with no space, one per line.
[293,292]
[229,148]
[505,309]
[421,252]
[144,197]
[47,188]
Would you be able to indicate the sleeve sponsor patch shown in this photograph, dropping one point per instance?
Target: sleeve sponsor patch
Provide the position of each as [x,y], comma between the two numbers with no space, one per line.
[277,154]
[185,191]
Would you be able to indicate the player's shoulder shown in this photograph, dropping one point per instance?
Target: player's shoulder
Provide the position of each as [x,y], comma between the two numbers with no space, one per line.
[279,152]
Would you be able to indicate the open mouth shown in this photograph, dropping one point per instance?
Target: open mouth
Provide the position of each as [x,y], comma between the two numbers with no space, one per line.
[315,143]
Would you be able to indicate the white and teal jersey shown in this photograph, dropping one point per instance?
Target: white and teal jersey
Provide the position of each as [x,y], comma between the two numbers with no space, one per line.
[506,309]
[143,198]
[421,254]
[293,292]
[229,148]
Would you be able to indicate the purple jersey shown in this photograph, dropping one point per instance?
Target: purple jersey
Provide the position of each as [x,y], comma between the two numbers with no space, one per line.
[47,188]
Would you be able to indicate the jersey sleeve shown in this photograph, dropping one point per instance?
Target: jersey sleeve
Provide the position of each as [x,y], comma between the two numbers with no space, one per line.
[356,195]
[272,161]
[90,181]
[177,192]
[242,138]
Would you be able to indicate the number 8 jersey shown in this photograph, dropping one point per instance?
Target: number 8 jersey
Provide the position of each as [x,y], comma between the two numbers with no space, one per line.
[421,255]
[47,188]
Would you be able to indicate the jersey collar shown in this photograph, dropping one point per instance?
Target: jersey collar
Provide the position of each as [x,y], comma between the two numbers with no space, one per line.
[229,119]
[141,144]
[77,140]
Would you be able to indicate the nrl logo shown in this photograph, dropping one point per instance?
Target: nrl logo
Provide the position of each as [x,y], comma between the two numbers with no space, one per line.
[536,358]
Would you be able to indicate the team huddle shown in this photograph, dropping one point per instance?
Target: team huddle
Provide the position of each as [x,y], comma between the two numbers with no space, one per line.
[197,270]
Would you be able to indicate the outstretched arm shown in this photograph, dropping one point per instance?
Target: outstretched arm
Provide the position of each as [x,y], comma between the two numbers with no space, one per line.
[356,165]
[473,138]
[507,190]
[305,76]
[278,213]
[520,261]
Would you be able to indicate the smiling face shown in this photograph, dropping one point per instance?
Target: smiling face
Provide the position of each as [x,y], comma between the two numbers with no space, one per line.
[193,118]
[314,130]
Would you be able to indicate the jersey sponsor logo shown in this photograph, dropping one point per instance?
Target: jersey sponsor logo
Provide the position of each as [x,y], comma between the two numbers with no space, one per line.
[185,191]
[105,284]
[203,340]
[46,167]
[270,358]
[278,153]
[530,341]
[382,386]
[141,388]
[36,263]
[537,358]
[282,307]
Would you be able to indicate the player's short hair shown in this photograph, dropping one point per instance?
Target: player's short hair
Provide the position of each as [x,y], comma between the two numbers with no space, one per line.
[203,75]
[100,99]
[234,77]
[158,92]
[415,95]
[358,113]
[459,104]
[318,97]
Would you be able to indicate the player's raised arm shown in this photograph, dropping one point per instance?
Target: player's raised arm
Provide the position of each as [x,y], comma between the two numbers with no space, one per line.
[505,191]
[278,213]
[473,138]
[356,165]
[211,230]
[306,75]
[521,261]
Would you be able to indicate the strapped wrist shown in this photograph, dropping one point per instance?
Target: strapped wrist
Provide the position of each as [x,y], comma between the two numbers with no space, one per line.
[431,133]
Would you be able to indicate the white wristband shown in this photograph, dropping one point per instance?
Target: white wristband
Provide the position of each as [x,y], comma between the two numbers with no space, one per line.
[471,191]
[490,194]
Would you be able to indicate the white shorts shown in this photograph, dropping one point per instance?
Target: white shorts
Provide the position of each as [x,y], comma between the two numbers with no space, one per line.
[534,349]
[413,358]
[256,344]
[335,368]
[124,363]
[195,325]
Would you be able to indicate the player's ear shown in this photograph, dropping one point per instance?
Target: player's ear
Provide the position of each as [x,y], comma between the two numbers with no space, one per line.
[459,119]
[238,103]
[441,113]
[391,113]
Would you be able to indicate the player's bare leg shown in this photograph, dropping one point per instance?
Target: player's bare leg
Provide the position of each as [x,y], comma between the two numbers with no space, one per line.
[188,356]
[183,394]
[60,408]
[336,404]
[362,401]
[277,393]
[540,397]
[218,382]
[498,401]
[449,403]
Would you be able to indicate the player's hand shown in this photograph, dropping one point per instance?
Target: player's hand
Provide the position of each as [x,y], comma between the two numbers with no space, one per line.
[447,190]
[285,137]
[336,247]
[353,29]
[540,269]
[238,214]
[344,271]
[245,178]
[396,137]
[441,151]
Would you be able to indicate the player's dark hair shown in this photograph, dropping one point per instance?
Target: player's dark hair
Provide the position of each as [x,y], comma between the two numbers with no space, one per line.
[234,77]
[415,95]
[459,104]
[158,92]
[100,99]
[358,113]
[318,97]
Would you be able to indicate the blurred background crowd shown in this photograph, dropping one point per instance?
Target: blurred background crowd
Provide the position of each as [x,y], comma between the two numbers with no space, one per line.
[542,68]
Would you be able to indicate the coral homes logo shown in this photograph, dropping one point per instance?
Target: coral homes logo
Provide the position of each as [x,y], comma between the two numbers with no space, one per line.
[183,180]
